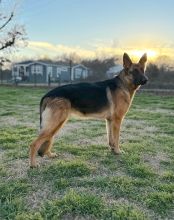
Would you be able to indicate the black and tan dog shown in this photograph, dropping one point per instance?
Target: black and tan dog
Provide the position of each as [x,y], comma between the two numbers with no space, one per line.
[109,100]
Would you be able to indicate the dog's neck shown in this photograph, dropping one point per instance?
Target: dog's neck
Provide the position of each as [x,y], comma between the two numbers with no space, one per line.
[127,84]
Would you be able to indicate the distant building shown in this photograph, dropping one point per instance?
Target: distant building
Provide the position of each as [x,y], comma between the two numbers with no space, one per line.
[42,72]
[114,70]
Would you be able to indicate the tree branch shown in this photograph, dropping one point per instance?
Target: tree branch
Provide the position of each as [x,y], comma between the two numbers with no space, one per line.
[10,18]
[11,40]
[8,43]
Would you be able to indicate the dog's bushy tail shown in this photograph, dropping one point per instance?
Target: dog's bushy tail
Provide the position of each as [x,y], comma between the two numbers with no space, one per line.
[42,107]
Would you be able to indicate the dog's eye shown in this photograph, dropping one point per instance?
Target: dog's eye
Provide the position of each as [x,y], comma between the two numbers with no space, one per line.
[132,72]
[135,72]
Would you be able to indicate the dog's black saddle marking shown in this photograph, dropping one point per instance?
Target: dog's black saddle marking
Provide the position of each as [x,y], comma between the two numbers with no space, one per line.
[86,97]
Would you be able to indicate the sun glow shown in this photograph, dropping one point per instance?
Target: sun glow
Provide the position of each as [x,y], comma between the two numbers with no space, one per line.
[151,54]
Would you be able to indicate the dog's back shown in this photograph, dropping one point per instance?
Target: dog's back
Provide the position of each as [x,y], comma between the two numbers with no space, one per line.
[86,98]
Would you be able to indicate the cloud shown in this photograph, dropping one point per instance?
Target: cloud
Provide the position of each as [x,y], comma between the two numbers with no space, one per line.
[59,49]
[97,49]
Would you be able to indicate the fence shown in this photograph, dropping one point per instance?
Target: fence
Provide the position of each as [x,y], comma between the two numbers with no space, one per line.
[6,79]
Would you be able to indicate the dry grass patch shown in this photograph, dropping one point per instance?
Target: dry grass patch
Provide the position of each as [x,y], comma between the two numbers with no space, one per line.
[155,161]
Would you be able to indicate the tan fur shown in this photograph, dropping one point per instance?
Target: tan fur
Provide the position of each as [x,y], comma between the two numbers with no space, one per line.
[54,116]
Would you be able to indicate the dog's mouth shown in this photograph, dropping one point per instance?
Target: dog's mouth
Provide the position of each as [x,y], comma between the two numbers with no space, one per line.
[140,83]
[144,81]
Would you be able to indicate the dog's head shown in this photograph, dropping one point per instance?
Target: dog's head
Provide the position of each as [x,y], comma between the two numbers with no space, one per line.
[135,72]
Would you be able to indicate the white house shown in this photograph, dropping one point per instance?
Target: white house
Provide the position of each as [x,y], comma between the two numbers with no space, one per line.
[40,72]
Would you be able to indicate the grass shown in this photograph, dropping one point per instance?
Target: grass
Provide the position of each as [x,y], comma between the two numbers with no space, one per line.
[87,181]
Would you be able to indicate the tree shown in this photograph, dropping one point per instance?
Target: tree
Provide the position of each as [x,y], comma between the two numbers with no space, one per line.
[152,71]
[99,67]
[10,33]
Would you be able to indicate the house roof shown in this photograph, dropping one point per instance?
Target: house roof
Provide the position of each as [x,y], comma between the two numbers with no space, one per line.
[49,63]
[25,62]
[29,62]
[79,65]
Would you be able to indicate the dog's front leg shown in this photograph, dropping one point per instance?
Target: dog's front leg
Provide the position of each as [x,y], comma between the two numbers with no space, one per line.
[109,133]
[115,126]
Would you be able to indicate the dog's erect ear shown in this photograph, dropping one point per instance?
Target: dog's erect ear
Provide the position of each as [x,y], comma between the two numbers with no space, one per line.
[143,60]
[126,61]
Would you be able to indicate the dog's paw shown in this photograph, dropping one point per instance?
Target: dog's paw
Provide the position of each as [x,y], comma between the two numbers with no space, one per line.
[122,152]
[32,166]
[52,155]
[118,151]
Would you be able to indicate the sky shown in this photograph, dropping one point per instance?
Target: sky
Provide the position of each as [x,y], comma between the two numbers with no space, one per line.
[95,28]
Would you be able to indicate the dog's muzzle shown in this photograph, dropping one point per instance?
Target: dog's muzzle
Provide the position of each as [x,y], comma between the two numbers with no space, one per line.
[144,81]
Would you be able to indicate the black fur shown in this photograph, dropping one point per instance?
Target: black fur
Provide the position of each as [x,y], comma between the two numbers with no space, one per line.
[86,97]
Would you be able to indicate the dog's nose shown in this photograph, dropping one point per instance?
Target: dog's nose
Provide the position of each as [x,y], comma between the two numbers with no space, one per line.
[144,81]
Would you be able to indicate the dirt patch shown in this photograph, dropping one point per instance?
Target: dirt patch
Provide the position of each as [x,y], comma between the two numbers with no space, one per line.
[138,124]
[155,160]
[13,121]
[100,140]
[69,128]
[159,110]
[10,121]
[2,152]
[36,198]
[18,168]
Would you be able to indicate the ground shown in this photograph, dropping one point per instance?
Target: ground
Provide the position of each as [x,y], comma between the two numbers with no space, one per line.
[87,181]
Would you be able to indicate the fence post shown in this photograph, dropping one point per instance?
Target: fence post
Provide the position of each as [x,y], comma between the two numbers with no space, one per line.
[70,69]
[49,80]
[1,73]
[15,80]
[35,80]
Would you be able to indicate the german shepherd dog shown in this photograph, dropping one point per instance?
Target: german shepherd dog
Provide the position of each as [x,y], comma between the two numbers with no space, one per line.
[109,100]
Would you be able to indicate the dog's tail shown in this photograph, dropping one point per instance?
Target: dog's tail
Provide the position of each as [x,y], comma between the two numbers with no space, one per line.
[41,110]
[43,104]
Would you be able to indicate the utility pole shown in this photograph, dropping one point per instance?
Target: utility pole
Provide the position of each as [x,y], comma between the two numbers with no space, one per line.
[70,70]
[1,73]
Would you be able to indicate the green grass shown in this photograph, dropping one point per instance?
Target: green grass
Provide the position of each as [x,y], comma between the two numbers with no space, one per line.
[87,181]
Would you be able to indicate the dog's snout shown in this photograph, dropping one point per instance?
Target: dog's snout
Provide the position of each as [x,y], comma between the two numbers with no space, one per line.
[144,81]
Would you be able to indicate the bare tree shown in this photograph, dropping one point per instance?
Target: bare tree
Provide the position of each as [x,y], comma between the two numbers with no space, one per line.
[10,33]
[99,67]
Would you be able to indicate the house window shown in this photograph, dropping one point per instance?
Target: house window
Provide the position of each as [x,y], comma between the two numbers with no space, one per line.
[37,69]
[50,71]
[15,69]
[85,74]
[59,70]
[78,73]
[64,68]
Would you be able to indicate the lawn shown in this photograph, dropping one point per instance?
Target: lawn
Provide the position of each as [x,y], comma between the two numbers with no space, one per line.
[87,181]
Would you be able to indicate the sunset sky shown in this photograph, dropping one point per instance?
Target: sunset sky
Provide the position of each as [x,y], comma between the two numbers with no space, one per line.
[95,27]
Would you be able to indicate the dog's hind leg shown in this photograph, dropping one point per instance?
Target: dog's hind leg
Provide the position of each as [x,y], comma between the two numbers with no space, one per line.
[42,138]
[53,118]
[44,147]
